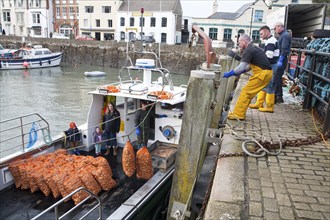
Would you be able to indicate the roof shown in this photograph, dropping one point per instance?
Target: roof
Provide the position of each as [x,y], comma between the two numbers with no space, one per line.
[151,5]
[231,15]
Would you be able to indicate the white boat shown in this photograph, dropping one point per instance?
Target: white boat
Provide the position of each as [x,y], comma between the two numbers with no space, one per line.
[132,198]
[94,73]
[31,58]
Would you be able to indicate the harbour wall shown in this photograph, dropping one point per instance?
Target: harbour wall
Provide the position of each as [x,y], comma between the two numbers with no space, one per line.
[176,58]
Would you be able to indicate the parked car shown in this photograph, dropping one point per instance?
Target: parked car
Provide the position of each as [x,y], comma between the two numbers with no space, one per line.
[84,37]
[59,36]
[145,39]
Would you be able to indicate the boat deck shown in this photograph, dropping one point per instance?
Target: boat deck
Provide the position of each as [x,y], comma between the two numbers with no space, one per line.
[22,204]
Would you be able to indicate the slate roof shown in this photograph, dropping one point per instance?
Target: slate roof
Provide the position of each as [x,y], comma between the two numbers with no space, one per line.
[231,15]
[152,5]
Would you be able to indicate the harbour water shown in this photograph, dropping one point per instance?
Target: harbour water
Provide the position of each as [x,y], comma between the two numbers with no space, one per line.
[58,94]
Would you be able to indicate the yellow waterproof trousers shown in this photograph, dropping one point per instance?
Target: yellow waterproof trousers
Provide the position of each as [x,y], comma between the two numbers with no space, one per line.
[256,83]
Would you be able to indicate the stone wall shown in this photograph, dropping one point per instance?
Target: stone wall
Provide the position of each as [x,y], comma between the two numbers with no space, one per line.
[175,58]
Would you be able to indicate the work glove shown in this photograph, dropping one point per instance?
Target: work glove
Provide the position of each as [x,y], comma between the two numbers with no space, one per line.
[280,62]
[232,54]
[229,74]
[137,131]
[163,116]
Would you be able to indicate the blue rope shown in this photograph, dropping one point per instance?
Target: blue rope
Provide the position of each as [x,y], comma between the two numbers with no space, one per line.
[33,135]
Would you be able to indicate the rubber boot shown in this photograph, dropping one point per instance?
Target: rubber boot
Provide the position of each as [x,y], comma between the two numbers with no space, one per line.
[107,152]
[115,151]
[260,100]
[270,101]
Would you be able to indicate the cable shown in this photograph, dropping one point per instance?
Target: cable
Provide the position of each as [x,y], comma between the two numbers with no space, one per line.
[322,136]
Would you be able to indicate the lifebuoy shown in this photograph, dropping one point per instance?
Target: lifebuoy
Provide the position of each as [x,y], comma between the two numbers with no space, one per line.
[112,89]
[162,94]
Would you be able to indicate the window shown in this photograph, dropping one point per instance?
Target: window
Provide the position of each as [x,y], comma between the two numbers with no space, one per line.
[122,35]
[109,23]
[295,1]
[164,22]
[89,9]
[38,3]
[164,35]
[71,11]
[58,12]
[122,22]
[131,22]
[106,9]
[227,33]
[36,18]
[255,35]
[64,11]
[97,22]
[213,33]
[258,16]
[143,20]
[152,22]
[108,36]
[77,11]
[6,16]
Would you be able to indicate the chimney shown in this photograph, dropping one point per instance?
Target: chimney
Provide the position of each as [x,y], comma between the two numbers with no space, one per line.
[215,6]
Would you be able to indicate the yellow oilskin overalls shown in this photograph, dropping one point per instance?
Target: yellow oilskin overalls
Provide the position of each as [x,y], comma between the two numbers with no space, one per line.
[256,83]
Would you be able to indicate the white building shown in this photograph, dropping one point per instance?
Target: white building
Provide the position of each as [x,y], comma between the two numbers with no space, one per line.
[26,18]
[160,19]
[98,18]
[227,26]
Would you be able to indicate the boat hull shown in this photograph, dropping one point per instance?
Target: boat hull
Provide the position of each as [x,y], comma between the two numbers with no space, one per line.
[31,63]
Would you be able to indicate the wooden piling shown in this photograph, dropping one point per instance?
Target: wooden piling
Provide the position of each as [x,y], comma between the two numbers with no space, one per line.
[192,147]
[220,93]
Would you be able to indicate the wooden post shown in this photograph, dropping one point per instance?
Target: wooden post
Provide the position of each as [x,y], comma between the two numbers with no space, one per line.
[192,147]
[221,91]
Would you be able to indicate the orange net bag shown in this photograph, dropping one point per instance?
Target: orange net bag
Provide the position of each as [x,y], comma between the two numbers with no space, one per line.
[128,159]
[144,169]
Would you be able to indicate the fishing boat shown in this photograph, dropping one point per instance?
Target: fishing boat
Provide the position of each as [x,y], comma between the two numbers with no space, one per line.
[131,198]
[31,58]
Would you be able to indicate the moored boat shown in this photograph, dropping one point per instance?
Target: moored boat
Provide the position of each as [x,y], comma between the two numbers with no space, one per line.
[31,58]
[94,73]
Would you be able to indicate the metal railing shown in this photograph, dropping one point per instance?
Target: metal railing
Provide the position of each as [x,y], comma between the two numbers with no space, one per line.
[312,77]
[56,205]
[15,131]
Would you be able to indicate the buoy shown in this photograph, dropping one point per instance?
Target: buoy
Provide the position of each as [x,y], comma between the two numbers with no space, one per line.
[25,64]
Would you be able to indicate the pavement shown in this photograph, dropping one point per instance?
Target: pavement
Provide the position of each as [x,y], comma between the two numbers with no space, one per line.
[292,185]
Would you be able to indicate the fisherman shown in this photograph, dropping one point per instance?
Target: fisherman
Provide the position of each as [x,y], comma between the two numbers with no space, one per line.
[254,58]
[272,53]
[284,44]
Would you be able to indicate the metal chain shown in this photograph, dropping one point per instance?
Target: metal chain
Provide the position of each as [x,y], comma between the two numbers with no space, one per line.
[269,146]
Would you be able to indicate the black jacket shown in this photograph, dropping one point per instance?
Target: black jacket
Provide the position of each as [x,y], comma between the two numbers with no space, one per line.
[110,123]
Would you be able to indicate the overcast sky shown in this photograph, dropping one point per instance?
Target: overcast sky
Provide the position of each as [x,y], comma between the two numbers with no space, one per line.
[204,8]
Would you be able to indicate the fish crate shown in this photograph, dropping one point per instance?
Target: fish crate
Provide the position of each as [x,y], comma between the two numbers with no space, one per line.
[163,154]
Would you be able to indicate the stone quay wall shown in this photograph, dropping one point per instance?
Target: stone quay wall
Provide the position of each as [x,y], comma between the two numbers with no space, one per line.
[176,58]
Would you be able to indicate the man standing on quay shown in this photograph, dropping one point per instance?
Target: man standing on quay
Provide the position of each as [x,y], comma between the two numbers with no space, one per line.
[272,53]
[284,44]
[254,58]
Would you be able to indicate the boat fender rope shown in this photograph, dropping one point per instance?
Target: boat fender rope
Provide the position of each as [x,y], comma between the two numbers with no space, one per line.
[33,135]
